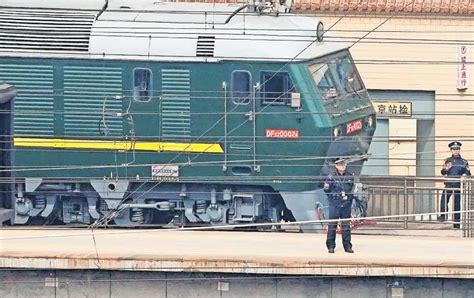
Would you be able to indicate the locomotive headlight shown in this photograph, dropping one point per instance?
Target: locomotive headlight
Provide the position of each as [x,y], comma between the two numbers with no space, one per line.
[337,131]
[370,121]
[320,32]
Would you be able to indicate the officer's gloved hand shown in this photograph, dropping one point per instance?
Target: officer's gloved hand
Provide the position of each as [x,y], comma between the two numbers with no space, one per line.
[326,185]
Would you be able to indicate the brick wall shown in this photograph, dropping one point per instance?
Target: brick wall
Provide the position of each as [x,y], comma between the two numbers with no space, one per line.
[408,6]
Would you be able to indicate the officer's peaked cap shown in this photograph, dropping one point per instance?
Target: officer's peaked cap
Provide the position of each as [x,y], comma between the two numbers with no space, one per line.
[339,160]
[455,145]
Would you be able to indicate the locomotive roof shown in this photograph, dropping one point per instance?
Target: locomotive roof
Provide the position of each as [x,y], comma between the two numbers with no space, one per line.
[151,30]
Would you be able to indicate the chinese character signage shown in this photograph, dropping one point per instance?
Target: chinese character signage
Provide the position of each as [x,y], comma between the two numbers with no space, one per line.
[392,108]
[462,68]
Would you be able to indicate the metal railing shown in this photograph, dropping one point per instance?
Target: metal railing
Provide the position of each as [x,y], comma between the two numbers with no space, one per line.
[390,196]
[467,203]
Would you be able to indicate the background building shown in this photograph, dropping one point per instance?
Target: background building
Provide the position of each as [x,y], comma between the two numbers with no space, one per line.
[416,58]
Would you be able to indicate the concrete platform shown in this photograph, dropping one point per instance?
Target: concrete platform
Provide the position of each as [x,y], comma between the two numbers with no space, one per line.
[236,252]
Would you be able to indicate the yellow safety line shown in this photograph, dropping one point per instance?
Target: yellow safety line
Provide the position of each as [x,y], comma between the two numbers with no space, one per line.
[117,145]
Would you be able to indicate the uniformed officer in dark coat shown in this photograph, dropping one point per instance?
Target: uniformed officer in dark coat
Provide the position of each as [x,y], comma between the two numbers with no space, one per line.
[454,166]
[338,187]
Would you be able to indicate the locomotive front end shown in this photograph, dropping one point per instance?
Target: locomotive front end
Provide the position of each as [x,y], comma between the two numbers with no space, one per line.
[340,108]
[350,114]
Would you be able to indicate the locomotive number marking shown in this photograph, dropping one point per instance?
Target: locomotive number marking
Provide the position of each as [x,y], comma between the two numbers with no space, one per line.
[354,126]
[282,133]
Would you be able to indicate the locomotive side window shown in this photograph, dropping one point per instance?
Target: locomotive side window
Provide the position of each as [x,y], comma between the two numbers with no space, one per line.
[241,87]
[142,84]
[276,88]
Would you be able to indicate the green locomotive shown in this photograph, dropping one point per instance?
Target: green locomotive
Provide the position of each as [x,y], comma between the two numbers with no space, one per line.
[174,113]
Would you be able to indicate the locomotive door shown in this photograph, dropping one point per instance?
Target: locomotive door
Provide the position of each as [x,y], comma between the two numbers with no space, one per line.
[240,139]
[142,110]
[145,106]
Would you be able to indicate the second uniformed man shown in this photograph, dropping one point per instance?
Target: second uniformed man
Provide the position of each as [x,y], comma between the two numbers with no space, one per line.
[454,166]
[338,187]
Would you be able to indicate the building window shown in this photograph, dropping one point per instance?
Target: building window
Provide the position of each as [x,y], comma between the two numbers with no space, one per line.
[241,87]
[275,88]
[142,84]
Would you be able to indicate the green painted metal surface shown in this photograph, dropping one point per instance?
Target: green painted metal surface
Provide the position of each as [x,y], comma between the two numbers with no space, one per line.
[188,105]
[175,104]
[34,104]
[89,101]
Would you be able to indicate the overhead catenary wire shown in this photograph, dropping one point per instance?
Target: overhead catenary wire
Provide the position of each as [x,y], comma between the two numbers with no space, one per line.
[283,38]
[274,159]
[93,112]
[245,225]
[139,57]
[106,218]
[113,211]
[217,94]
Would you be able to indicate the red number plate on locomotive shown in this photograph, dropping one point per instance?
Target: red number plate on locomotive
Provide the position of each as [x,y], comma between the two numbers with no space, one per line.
[354,126]
[282,133]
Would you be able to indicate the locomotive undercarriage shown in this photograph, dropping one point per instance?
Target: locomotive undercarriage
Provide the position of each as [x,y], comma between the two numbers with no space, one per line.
[146,203]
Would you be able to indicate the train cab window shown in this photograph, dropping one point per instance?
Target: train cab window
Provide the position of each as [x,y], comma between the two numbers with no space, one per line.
[347,75]
[142,84]
[275,88]
[241,87]
[336,77]
[324,79]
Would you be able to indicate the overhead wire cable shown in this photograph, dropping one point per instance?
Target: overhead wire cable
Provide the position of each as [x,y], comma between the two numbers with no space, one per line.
[154,186]
[244,225]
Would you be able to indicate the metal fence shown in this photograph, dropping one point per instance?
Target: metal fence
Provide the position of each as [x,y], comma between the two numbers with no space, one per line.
[391,196]
[467,203]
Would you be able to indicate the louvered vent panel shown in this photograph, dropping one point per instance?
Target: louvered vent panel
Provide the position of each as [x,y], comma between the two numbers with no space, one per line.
[175,104]
[45,30]
[34,104]
[85,90]
[205,46]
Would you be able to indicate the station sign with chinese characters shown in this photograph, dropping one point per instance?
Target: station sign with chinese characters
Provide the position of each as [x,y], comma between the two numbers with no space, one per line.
[392,108]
